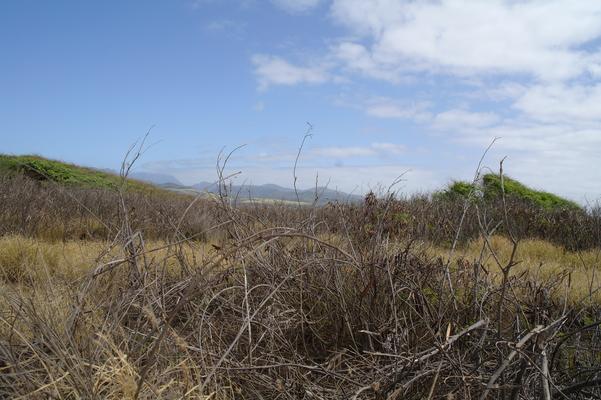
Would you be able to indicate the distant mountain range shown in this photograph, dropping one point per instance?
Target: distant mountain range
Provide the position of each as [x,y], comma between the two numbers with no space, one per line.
[148,177]
[271,192]
[156,178]
[267,192]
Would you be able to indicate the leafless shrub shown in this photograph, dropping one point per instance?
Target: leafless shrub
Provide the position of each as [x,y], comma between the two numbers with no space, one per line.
[291,303]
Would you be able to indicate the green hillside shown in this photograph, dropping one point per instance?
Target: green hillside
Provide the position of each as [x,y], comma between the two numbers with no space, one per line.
[43,169]
[490,188]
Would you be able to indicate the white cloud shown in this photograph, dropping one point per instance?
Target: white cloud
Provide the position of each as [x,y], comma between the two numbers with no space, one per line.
[576,103]
[357,58]
[383,107]
[453,119]
[462,119]
[388,110]
[546,40]
[540,38]
[502,91]
[344,152]
[296,6]
[376,149]
[272,70]
[394,39]
[389,148]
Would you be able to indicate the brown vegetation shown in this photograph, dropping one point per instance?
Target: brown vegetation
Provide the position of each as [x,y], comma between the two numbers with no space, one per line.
[143,296]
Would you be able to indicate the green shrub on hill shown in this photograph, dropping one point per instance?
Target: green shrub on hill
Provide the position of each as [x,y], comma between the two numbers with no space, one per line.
[43,169]
[513,188]
[456,190]
[489,188]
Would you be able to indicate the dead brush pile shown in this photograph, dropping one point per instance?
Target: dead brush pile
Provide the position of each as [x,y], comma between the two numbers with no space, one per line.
[54,212]
[282,312]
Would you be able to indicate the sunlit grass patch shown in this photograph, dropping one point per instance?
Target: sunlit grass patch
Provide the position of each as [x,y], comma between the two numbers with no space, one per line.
[537,259]
[23,258]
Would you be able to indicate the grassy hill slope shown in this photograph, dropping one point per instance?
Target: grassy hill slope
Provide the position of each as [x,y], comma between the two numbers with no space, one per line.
[490,188]
[43,169]
[492,183]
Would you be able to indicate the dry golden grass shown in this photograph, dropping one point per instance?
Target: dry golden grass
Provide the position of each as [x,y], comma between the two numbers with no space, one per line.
[47,274]
[25,261]
[289,302]
[42,279]
[538,259]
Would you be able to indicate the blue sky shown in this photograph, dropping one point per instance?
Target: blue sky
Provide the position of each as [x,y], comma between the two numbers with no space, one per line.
[390,87]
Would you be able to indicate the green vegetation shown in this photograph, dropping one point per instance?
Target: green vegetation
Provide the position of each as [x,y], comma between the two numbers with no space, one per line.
[43,169]
[490,189]
[455,190]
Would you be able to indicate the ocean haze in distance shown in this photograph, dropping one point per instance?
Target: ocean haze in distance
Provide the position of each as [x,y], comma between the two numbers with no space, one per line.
[156,178]
[319,195]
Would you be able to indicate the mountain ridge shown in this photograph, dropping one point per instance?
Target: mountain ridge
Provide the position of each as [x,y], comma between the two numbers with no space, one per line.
[270,191]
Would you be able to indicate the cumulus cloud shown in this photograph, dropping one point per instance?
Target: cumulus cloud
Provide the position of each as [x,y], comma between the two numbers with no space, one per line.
[376,149]
[388,110]
[355,57]
[383,107]
[543,39]
[462,119]
[273,70]
[421,112]
[344,152]
[388,148]
[576,103]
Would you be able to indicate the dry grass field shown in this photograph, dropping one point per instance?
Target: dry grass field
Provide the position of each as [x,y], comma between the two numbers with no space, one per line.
[541,262]
[112,293]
